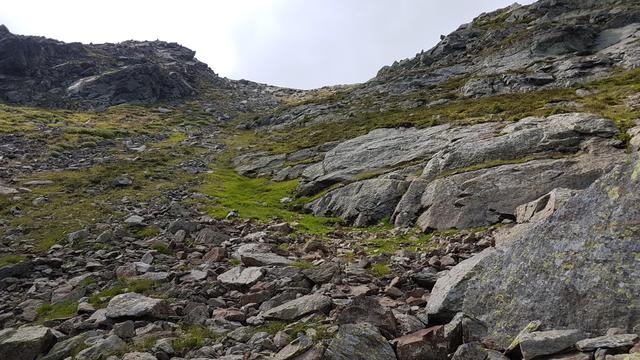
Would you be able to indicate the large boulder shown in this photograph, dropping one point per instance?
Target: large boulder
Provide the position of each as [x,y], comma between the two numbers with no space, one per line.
[26,343]
[359,342]
[361,203]
[447,295]
[577,269]
[367,309]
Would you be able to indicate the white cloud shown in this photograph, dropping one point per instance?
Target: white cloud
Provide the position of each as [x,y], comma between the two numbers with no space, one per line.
[296,43]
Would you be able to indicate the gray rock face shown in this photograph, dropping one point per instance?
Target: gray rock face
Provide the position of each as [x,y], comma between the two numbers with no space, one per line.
[380,150]
[296,308]
[361,203]
[448,293]
[39,71]
[449,191]
[473,175]
[485,197]
[544,206]
[133,305]
[583,258]
[26,343]
[359,342]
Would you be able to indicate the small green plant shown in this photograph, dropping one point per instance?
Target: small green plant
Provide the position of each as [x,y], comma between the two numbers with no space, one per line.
[162,248]
[380,270]
[147,232]
[235,262]
[302,264]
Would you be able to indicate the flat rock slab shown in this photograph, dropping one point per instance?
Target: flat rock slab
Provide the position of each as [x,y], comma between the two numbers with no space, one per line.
[239,276]
[260,255]
[541,343]
[133,305]
[296,308]
[25,343]
[607,342]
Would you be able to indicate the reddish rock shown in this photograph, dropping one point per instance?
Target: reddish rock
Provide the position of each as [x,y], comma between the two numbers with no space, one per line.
[425,344]
[229,314]
[216,254]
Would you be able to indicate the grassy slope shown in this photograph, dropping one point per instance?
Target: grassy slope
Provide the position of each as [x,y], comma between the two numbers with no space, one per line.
[80,197]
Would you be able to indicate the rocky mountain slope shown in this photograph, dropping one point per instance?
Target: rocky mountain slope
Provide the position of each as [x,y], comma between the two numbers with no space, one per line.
[478,201]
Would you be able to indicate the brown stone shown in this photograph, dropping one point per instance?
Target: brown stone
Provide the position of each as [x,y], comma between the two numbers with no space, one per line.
[425,344]
[229,314]
[216,254]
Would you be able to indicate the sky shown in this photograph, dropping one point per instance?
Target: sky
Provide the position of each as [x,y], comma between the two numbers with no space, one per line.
[294,43]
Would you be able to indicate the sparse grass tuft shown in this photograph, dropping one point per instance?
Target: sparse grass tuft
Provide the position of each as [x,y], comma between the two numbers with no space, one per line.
[194,337]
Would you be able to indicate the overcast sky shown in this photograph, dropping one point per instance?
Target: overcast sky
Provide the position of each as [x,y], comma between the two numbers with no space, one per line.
[295,43]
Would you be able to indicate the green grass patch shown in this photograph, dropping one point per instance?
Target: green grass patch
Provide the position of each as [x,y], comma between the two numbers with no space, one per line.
[59,311]
[7,260]
[258,199]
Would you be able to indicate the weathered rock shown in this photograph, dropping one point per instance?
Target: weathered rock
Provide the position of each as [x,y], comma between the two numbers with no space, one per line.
[138,356]
[465,200]
[427,344]
[366,309]
[323,273]
[295,348]
[584,248]
[540,343]
[359,342]
[296,308]
[26,343]
[260,255]
[361,203]
[544,206]
[239,276]
[426,277]
[470,351]
[102,348]
[450,190]
[621,341]
[449,292]
[66,348]
[124,330]
[133,305]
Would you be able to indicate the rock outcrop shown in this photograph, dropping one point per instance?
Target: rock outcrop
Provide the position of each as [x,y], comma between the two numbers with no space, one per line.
[469,176]
[582,259]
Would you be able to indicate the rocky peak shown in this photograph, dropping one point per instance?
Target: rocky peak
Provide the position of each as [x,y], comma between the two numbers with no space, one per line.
[46,72]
